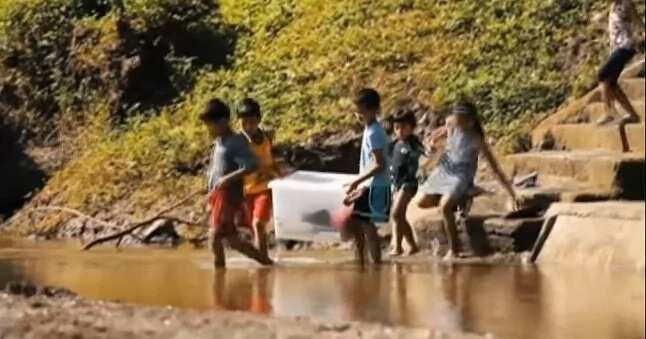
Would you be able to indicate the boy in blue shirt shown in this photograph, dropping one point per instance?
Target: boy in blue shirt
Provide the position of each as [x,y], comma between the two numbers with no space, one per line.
[370,192]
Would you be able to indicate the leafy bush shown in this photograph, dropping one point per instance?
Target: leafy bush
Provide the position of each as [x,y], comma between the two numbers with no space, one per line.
[303,60]
[63,56]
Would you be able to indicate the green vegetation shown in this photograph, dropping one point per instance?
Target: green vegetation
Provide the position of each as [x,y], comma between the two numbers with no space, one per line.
[301,59]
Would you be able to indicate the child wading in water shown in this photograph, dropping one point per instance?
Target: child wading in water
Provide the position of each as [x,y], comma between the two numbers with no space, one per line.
[256,188]
[404,153]
[230,161]
[623,18]
[370,192]
[454,176]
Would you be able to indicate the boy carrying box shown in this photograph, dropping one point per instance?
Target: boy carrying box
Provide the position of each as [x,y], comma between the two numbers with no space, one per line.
[256,187]
[370,192]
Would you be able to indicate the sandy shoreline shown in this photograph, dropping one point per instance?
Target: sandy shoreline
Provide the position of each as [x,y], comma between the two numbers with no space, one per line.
[70,316]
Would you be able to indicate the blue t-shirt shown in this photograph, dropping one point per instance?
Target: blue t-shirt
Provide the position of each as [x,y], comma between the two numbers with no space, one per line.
[374,138]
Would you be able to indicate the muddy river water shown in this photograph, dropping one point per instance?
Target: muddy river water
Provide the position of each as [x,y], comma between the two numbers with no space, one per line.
[508,301]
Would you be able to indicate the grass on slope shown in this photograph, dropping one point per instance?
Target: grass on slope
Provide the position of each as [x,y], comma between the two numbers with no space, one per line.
[303,60]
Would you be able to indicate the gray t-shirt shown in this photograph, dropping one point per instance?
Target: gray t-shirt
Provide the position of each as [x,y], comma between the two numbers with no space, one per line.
[230,154]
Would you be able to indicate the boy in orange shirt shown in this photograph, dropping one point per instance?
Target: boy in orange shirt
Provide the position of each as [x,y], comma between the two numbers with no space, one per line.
[231,159]
[256,187]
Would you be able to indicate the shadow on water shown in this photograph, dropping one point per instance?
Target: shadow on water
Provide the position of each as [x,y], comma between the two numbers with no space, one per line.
[509,301]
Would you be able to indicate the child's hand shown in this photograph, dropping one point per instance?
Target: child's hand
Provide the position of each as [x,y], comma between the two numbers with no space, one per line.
[351,197]
[351,187]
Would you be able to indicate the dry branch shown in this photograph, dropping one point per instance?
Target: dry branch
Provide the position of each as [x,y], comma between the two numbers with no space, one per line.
[137,225]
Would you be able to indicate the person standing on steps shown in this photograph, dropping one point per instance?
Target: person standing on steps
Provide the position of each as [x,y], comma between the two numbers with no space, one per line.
[231,159]
[453,178]
[623,22]
[256,187]
[370,192]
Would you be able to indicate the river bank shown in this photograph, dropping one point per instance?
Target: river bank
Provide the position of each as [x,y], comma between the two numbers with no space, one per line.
[70,316]
[118,289]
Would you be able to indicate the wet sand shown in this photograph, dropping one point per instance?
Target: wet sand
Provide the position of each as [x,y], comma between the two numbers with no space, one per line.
[71,317]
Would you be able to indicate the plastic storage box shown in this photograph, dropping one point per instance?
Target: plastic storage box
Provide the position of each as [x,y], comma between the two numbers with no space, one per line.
[304,203]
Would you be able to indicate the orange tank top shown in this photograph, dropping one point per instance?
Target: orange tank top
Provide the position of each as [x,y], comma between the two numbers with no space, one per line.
[258,181]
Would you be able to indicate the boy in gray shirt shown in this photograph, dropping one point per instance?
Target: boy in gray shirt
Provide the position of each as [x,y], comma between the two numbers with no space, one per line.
[231,159]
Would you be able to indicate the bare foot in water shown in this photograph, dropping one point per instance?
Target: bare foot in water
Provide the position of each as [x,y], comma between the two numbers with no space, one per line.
[449,257]
[395,252]
[412,251]
[267,262]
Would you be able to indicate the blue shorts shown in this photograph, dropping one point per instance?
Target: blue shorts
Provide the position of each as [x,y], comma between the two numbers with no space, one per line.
[374,204]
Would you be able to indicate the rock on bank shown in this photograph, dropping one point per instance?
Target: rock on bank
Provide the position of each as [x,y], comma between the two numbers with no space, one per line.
[602,235]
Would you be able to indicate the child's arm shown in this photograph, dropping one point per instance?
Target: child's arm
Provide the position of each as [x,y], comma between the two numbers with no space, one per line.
[442,133]
[278,168]
[495,167]
[380,165]
[244,158]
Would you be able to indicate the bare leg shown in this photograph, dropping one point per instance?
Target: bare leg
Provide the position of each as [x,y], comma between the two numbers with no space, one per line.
[447,206]
[260,237]
[355,232]
[248,250]
[621,97]
[395,217]
[219,289]
[402,227]
[397,241]
[608,100]
[373,241]
[217,248]
[427,200]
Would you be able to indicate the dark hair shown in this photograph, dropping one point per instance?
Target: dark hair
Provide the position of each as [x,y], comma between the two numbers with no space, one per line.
[406,117]
[368,98]
[215,111]
[248,108]
[466,108]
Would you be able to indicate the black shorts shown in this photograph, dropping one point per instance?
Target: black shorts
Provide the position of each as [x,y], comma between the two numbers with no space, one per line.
[373,205]
[410,186]
[616,63]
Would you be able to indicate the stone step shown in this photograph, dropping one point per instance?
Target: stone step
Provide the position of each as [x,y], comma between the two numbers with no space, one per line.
[633,87]
[513,235]
[603,235]
[542,196]
[600,170]
[486,229]
[635,70]
[590,137]
[595,111]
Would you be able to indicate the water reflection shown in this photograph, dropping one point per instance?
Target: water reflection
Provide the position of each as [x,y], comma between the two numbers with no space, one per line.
[237,292]
[508,301]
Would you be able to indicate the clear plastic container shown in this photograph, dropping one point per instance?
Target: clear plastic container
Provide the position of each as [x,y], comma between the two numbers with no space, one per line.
[304,203]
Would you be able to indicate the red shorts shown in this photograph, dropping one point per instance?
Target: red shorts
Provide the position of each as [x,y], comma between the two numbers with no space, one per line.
[259,206]
[225,216]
